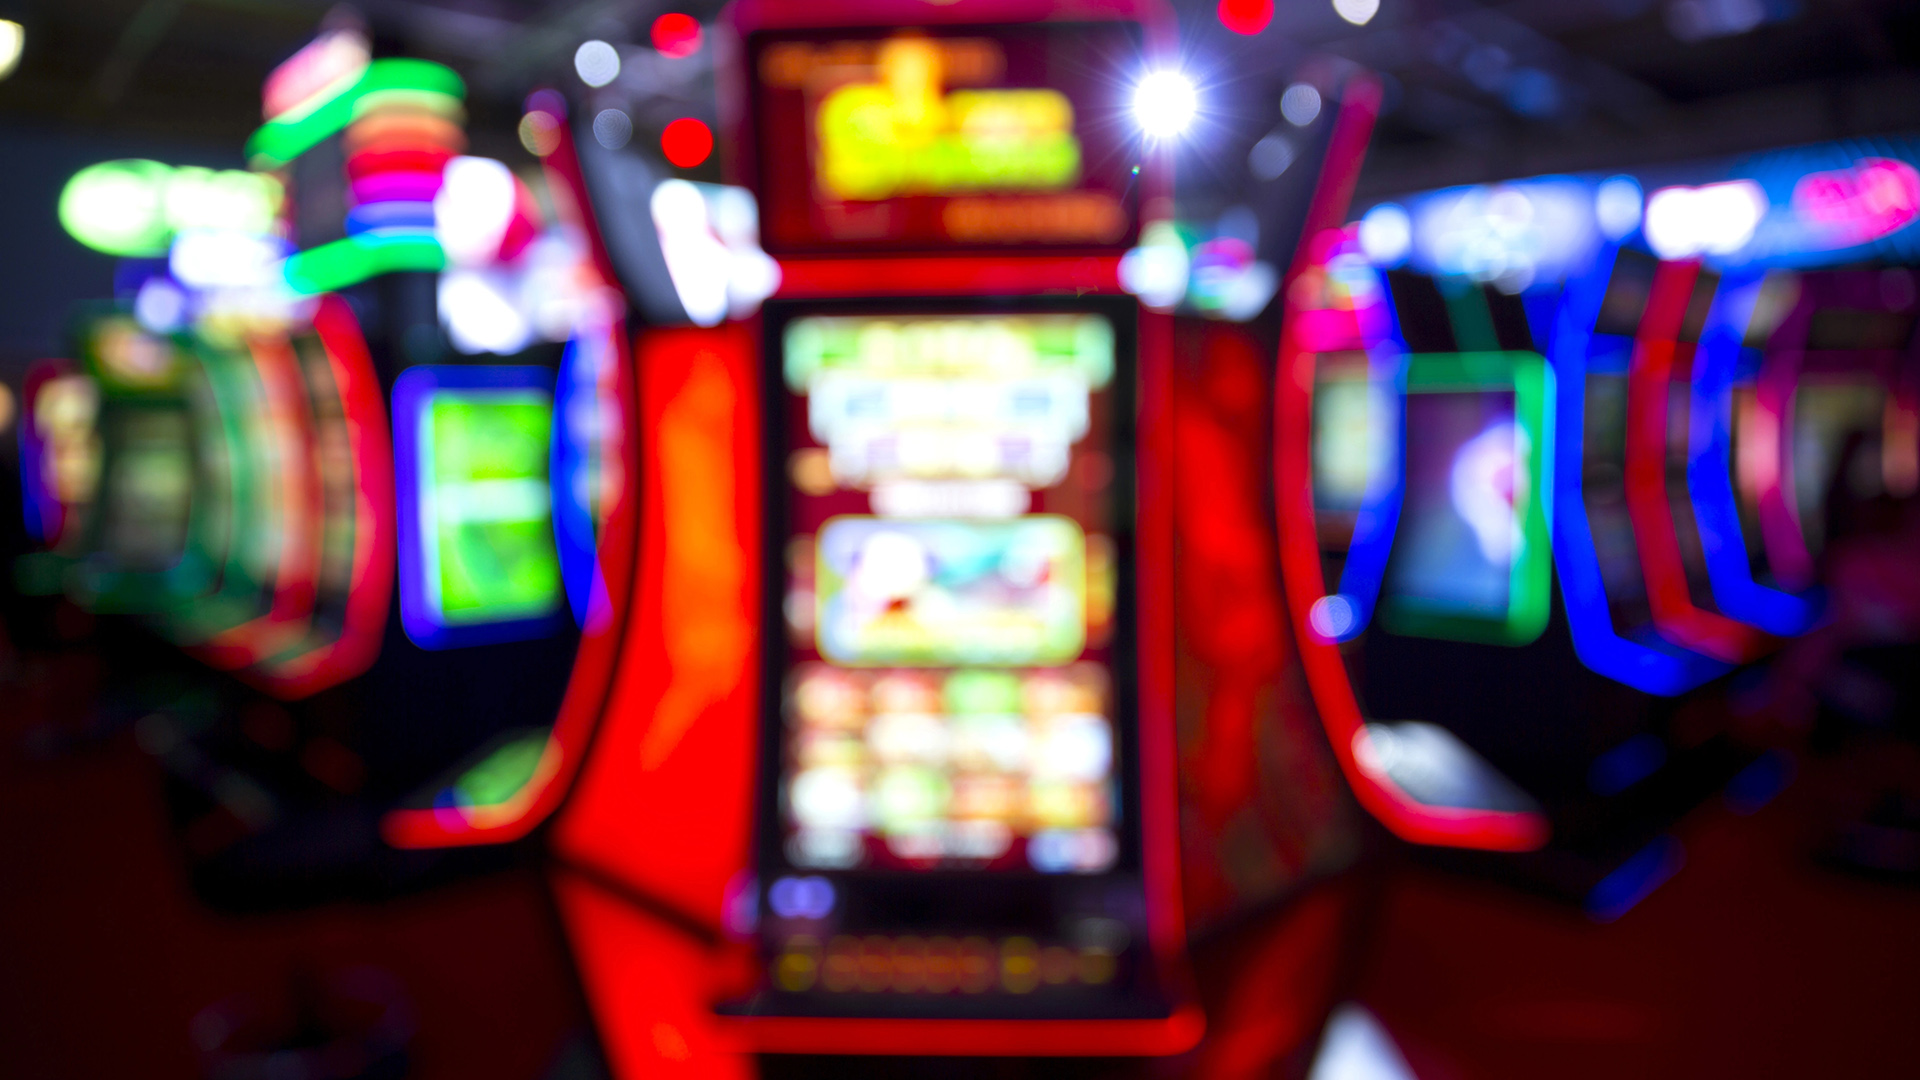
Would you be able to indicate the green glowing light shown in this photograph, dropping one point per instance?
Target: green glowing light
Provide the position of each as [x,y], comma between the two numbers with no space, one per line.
[390,82]
[118,207]
[134,207]
[357,258]
[502,773]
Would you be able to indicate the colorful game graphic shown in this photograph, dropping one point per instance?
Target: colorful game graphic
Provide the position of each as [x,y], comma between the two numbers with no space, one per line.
[981,768]
[951,593]
[998,137]
[478,562]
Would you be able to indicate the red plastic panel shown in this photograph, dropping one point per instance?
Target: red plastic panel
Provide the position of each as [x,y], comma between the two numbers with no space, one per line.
[1656,350]
[664,807]
[1320,658]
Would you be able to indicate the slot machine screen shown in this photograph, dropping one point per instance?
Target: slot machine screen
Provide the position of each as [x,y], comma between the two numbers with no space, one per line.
[477,554]
[949,821]
[974,137]
[1457,515]
[1471,557]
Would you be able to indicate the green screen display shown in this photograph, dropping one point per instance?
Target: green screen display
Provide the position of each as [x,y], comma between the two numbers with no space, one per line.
[488,515]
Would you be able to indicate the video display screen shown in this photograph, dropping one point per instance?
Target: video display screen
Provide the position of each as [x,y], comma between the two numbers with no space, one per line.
[953,505]
[1458,527]
[478,560]
[1353,418]
[974,137]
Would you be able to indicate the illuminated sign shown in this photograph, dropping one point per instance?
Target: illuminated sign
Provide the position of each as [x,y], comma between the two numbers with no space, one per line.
[135,207]
[1004,136]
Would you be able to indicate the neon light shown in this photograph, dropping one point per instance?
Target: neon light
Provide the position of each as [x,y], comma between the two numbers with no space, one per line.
[133,207]
[322,69]
[477,557]
[395,81]
[1875,197]
[335,266]
[355,644]
[283,441]
[1653,666]
[1711,468]
[1649,384]
[586,464]
[1300,555]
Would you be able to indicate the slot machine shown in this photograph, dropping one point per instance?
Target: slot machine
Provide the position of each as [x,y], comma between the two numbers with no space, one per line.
[888,766]
[1635,375]
[342,474]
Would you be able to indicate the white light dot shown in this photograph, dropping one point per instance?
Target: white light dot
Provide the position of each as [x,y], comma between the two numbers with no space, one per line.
[1270,157]
[1357,12]
[1386,234]
[1300,104]
[1331,617]
[597,62]
[13,40]
[159,306]
[612,129]
[1616,206]
[1164,104]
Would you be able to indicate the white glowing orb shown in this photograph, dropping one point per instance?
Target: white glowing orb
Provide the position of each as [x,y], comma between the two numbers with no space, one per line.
[1616,206]
[1386,234]
[1164,104]
[481,314]
[473,209]
[1717,219]
[13,40]
[1300,104]
[1357,12]
[597,63]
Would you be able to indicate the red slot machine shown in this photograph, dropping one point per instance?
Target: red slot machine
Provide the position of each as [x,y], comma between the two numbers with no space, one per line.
[887,766]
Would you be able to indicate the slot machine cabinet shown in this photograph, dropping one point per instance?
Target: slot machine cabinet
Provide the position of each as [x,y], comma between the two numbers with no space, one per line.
[1508,778]
[887,769]
[370,588]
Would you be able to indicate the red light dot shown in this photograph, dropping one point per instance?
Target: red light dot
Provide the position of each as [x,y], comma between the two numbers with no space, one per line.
[1246,16]
[686,142]
[676,35]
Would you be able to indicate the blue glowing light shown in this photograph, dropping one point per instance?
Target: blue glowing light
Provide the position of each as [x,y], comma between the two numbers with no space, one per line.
[1710,476]
[1634,880]
[1652,665]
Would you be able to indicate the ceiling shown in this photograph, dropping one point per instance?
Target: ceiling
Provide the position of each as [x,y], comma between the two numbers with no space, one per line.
[1475,91]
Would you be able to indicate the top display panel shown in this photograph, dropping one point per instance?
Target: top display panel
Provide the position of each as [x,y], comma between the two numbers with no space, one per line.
[970,137]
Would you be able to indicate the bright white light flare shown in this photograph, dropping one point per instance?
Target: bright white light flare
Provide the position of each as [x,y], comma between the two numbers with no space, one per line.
[1164,104]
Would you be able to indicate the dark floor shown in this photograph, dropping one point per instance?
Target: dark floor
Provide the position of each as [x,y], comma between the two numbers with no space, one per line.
[1753,961]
